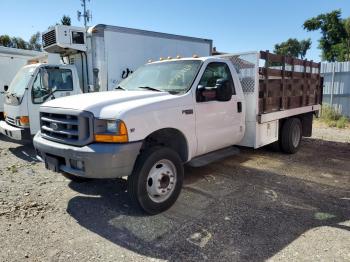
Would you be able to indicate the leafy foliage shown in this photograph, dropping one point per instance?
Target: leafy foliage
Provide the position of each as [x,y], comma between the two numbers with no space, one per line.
[18,42]
[293,47]
[5,40]
[35,42]
[335,40]
[333,118]
[65,20]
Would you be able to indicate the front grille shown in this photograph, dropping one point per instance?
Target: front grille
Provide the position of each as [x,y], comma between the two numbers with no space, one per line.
[67,128]
[10,120]
[49,38]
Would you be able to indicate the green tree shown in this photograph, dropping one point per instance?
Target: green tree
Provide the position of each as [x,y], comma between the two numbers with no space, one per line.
[18,42]
[35,42]
[334,40]
[65,20]
[304,46]
[347,30]
[293,47]
[5,40]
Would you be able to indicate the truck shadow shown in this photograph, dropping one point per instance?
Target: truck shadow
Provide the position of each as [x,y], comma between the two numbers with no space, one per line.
[226,211]
[22,150]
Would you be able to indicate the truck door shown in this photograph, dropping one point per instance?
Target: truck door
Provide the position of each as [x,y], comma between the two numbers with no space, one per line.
[50,83]
[218,124]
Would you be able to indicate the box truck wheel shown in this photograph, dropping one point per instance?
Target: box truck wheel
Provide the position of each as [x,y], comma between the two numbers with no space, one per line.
[291,135]
[157,179]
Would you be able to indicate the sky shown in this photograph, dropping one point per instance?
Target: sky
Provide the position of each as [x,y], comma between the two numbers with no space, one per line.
[234,26]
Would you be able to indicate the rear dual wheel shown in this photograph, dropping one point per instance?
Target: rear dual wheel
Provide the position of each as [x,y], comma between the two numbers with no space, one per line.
[291,134]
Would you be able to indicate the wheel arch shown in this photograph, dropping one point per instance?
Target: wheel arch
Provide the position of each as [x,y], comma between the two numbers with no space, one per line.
[306,123]
[169,137]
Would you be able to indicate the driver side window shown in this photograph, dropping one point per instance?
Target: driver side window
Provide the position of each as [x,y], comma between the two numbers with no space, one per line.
[215,71]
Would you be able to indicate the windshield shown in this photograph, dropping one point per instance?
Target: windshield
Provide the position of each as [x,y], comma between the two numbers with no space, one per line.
[50,80]
[20,82]
[174,76]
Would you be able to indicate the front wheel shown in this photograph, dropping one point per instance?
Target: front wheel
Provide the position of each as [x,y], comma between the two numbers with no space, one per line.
[156,181]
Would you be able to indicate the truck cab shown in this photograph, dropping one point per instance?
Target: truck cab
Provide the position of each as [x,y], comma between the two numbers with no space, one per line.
[32,86]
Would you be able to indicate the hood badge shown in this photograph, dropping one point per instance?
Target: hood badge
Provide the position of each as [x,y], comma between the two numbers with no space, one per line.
[54,126]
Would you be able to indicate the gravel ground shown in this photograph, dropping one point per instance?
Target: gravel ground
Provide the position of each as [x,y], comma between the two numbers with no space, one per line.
[258,205]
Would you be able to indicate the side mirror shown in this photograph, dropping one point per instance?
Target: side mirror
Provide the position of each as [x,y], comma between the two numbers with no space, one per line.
[6,87]
[223,90]
[205,93]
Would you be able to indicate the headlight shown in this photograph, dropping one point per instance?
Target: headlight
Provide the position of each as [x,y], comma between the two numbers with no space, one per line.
[22,121]
[110,131]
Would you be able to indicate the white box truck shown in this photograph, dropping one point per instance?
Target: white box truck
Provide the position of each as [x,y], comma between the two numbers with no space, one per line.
[173,112]
[96,59]
[11,60]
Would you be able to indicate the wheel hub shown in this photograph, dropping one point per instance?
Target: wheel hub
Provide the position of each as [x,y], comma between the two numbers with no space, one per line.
[161,180]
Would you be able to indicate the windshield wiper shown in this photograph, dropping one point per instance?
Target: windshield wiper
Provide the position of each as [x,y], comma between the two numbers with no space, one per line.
[150,88]
[119,87]
[15,96]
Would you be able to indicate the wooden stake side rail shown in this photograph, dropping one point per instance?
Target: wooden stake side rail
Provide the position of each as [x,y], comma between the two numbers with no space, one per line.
[282,89]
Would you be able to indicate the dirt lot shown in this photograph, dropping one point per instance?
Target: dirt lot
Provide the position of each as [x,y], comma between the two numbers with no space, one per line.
[256,206]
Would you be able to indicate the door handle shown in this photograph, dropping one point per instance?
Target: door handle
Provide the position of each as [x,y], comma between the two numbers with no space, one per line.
[239,107]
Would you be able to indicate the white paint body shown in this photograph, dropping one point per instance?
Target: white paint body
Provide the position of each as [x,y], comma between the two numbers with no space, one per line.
[213,125]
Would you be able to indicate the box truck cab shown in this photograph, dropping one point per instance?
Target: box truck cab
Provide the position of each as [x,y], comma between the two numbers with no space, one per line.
[11,60]
[97,59]
[33,85]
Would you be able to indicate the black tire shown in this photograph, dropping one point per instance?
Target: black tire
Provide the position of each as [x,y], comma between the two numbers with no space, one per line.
[291,135]
[275,146]
[76,179]
[138,181]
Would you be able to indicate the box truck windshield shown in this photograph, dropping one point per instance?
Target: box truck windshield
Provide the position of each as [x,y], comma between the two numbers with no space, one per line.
[20,82]
[49,80]
[174,76]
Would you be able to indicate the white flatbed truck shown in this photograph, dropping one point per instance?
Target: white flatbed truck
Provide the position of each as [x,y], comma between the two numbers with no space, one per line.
[95,59]
[175,112]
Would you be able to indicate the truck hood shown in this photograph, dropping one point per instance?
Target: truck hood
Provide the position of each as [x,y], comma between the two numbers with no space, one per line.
[119,100]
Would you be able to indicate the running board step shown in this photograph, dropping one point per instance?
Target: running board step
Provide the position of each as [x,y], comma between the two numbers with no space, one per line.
[213,156]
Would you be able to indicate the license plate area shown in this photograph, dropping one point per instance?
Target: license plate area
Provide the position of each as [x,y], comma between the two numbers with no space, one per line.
[52,163]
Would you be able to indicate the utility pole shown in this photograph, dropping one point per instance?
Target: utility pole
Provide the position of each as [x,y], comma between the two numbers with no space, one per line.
[86,13]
